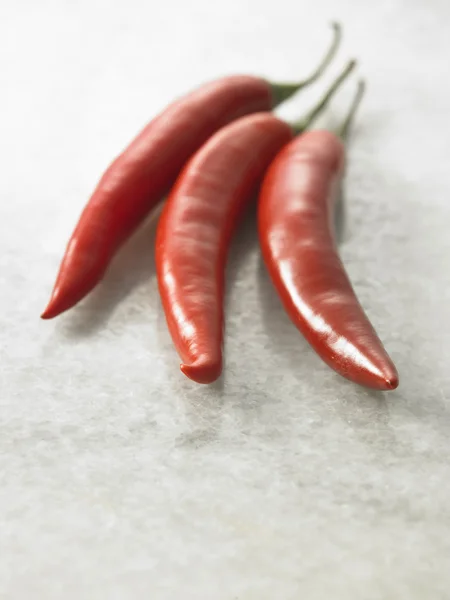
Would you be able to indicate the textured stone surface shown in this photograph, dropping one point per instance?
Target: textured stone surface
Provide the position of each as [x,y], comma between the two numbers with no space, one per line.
[120,479]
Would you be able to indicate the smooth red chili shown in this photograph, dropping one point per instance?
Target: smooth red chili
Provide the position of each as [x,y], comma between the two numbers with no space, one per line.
[196,227]
[296,235]
[144,172]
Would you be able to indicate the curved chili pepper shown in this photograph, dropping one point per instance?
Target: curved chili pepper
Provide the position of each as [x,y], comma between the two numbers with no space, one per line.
[299,250]
[197,224]
[136,181]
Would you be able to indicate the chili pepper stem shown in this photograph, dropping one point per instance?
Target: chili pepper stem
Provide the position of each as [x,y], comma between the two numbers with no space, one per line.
[344,130]
[283,91]
[308,120]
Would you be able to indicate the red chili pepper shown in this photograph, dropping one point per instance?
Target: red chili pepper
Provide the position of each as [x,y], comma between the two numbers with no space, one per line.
[136,181]
[197,224]
[298,247]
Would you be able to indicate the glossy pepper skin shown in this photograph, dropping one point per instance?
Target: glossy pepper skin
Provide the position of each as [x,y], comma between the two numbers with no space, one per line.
[137,180]
[296,235]
[197,224]
[194,235]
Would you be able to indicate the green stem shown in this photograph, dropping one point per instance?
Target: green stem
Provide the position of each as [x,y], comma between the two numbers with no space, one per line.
[283,91]
[344,129]
[309,119]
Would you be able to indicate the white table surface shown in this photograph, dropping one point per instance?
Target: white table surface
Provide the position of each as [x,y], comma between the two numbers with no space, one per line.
[121,479]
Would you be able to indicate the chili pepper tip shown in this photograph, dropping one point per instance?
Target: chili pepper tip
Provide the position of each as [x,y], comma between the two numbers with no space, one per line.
[202,371]
[386,379]
[48,313]
[392,382]
[55,307]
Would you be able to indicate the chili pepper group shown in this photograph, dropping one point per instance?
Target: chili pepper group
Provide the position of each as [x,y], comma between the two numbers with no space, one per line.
[144,172]
[211,150]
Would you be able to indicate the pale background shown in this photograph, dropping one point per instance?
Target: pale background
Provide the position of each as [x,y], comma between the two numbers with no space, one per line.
[121,479]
